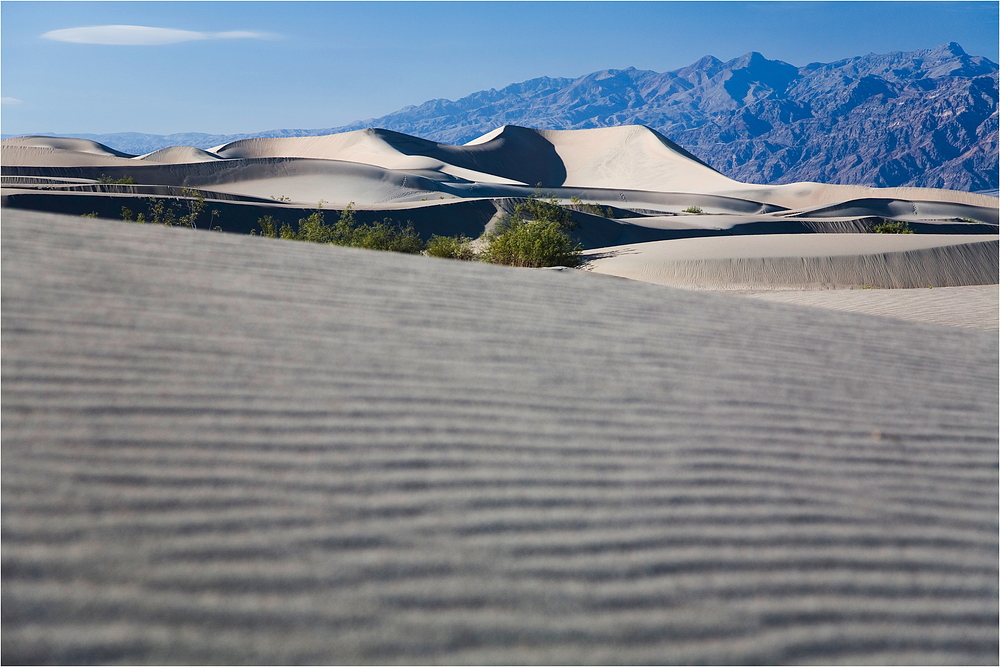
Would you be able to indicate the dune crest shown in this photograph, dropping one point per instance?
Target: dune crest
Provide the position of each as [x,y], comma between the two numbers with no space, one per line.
[630,164]
[65,144]
[179,155]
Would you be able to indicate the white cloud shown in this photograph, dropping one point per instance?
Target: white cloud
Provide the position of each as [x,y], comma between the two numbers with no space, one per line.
[10,100]
[140,35]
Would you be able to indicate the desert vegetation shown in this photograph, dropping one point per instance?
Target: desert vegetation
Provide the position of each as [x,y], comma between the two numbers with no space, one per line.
[891,227]
[534,235]
[346,231]
[172,212]
[107,180]
[450,247]
[593,209]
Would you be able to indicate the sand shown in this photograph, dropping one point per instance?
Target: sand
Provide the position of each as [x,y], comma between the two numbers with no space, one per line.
[970,307]
[794,261]
[630,166]
[222,449]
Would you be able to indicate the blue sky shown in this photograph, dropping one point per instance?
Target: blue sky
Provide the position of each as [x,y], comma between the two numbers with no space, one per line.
[230,67]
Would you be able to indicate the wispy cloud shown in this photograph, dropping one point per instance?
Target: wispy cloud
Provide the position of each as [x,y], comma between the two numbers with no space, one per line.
[140,35]
[10,100]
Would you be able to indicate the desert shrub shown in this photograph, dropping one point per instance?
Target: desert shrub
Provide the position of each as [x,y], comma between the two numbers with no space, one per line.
[451,247]
[386,235]
[535,235]
[891,227]
[268,227]
[170,212]
[697,210]
[107,180]
[531,243]
[127,216]
[92,214]
[549,210]
[160,213]
[195,204]
[313,229]
[593,209]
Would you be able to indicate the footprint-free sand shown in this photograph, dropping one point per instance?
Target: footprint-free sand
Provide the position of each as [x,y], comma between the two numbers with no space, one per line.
[222,449]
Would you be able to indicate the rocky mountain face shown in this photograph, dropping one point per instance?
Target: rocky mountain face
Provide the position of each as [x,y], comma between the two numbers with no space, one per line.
[924,118]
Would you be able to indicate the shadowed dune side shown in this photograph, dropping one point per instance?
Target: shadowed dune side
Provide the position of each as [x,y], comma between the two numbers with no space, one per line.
[807,196]
[520,156]
[220,449]
[736,224]
[304,181]
[633,157]
[241,215]
[914,210]
[776,261]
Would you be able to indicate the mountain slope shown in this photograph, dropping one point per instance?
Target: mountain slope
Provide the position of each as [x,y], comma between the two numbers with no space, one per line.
[924,118]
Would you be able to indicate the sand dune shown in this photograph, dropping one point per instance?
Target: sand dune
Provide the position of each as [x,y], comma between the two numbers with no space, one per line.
[911,210]
[31,156]
[220,449]
[660,193]
[625,157]
[632,166]
[807,196]
[775,261]
[179,155]
[969,307]
[64,144]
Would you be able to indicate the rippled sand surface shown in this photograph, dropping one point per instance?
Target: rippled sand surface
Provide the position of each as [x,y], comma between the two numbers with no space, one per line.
[222,449]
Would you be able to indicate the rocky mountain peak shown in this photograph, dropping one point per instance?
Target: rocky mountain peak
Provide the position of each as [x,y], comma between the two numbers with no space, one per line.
[921,118]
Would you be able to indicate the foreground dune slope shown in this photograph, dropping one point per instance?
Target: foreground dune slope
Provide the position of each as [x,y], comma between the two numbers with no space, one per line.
[222,449]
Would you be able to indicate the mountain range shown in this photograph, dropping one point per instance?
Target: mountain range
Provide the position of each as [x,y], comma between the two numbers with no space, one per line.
[924,118]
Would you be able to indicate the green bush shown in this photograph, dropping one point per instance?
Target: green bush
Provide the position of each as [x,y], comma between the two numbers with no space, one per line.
[386,235]
[697,210]
[107,180]
[160,213]
[451,247]
[891,227]
[268,227]
[164,211]
[127,216]
[534,236]
[593,209]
